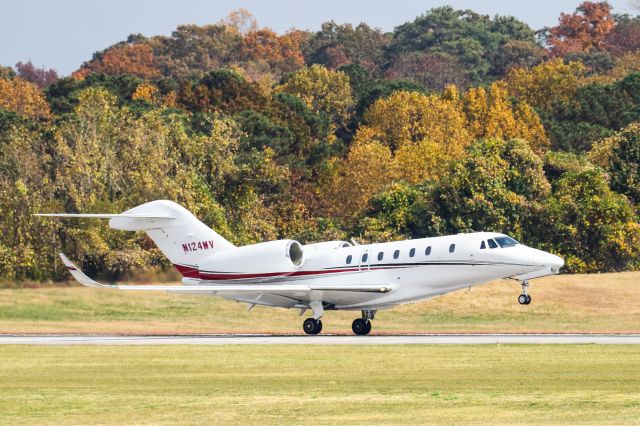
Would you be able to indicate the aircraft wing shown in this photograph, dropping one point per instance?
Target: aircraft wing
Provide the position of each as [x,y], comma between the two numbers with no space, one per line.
[235,288]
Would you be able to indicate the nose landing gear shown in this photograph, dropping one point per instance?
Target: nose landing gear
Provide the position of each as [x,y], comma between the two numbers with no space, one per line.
[524,298]
[362,326]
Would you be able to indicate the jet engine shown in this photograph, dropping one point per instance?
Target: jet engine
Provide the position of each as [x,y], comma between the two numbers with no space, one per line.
[264,260]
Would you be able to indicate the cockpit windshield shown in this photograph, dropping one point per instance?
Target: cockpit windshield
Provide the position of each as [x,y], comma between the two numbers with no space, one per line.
[506,241]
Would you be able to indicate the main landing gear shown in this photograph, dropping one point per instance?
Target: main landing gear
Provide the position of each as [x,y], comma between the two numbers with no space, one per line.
[312,326]
[362,326]
[524,298]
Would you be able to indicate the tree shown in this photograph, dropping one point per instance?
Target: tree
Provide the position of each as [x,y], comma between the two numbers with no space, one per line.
[336,45]
[624,163]
[583,30]
[137,60]
[221,90]
[594,112]
[241,21]
[492,115]
[281,53]
[547,83]
[590,226]
[496,186]
[357,178]
[41,77]
[322,90]
[23,97]
[411,117]
[474,40]
[434,72]
[625,36]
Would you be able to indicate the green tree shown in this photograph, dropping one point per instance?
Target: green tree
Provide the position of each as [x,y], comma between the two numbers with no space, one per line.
[590,226]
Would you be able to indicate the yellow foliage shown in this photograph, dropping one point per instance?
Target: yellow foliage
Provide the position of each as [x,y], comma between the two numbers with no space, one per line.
[23,97]
[147,92]
[543,84]
[323,90]
[410,117]
[491,115]
[600,153]
[366,170]
[415,162]
[150,93]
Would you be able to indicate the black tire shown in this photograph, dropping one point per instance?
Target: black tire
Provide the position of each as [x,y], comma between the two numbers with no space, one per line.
[522,299]
[359,327]
[367,330]
[528,299]
[312,326]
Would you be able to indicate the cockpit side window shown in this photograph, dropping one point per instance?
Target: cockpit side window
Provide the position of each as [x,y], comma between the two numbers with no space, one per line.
[506,241]
[483,245]
[492,244]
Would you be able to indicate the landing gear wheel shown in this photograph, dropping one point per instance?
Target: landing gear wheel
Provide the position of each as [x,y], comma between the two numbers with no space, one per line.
[524,299]
[528,299]
[312,326]
[361,327]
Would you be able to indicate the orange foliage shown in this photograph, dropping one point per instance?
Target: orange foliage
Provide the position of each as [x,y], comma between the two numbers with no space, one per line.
[582,30]
[23,97]
[136,59]
[278,51]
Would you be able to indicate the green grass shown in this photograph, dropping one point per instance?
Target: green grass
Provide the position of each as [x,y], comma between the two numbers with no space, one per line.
[543,384]
[566,303]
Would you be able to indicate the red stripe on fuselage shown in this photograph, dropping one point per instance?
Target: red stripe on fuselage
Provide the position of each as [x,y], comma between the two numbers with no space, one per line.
[191,272]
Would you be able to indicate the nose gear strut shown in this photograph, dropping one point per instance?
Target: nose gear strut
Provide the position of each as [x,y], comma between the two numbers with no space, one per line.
[524,298]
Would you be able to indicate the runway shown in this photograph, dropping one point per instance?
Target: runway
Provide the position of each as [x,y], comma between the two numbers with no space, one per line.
[258,339]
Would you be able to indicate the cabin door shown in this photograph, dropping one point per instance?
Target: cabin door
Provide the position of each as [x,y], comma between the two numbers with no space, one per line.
[365,261]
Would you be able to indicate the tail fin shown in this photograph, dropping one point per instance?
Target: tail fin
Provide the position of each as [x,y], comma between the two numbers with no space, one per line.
[177,233]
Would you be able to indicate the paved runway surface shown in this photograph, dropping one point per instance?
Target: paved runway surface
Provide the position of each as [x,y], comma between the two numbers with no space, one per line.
[256,339]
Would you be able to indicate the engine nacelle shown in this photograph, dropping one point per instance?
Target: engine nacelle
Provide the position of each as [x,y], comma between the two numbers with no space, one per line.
[264,260]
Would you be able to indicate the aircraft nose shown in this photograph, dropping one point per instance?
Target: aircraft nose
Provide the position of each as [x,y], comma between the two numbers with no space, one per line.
[554,262]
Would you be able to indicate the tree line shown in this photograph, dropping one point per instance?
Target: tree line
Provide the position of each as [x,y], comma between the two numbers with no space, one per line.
[453,122]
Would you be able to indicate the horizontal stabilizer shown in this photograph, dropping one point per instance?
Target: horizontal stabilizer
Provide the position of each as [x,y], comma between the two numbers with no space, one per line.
[106,215]
[226,288]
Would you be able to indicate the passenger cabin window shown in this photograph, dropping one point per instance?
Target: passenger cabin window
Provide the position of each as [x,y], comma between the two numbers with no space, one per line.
[492,244]
[365,257]
[427,252]
[452,248]
[396,254]
[380,255]
[349,259]
[483,245]
[412,252]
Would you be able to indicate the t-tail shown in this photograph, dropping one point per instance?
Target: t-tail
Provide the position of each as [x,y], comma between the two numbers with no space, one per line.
[176,231]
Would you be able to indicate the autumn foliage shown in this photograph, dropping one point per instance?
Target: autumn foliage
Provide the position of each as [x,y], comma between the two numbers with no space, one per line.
[453,122]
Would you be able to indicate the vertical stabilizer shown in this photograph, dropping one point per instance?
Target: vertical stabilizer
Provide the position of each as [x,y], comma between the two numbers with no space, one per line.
[183,238]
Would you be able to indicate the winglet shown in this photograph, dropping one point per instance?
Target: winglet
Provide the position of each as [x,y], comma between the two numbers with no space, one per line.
[79,275]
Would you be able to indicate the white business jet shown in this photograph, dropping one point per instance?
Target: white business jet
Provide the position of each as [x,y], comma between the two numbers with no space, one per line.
[323,276]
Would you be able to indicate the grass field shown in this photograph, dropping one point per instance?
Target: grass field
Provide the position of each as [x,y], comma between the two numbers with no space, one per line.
[563,303]
[319,385]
